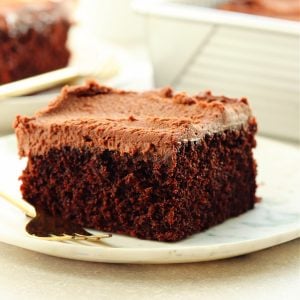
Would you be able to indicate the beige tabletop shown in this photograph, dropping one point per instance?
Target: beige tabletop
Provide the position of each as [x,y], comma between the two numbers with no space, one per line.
[270,274]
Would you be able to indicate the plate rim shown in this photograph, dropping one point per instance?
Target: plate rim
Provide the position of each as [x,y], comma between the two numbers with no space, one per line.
[188,254]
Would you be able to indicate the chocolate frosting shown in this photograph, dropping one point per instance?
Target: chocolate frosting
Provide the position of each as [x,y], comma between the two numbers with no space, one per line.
[99,117]
[287,9]
[18,16]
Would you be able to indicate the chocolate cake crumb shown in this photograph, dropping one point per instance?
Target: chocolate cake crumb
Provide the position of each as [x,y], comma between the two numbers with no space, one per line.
[132,118]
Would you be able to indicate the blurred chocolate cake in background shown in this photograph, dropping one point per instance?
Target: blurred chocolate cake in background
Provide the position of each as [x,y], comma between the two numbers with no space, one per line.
[33,36]
[286,9]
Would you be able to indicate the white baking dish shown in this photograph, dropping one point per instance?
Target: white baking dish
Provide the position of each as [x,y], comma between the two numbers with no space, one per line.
[196,47]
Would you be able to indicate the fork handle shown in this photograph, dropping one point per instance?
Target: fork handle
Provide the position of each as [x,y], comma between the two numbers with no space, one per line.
[38,83]
[27,208]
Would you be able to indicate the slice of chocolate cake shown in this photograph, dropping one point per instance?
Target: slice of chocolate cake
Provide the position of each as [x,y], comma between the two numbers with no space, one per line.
[155,165]
[33,36]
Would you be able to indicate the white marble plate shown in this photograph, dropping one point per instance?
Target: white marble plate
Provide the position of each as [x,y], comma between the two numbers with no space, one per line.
[274,220]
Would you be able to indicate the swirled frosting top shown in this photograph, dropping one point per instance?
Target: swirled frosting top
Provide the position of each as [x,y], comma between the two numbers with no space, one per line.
[101,117]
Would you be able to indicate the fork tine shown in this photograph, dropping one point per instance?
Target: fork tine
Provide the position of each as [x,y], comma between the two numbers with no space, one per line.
[92,237]
[51,237]
[81,236]
[68,236]
[76,236]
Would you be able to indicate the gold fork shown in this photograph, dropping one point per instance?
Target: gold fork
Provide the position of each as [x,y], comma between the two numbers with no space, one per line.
[47,227]
[106,70]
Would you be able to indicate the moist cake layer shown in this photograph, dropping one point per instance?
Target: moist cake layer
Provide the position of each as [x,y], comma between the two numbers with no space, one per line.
[207,183]
[99,117]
